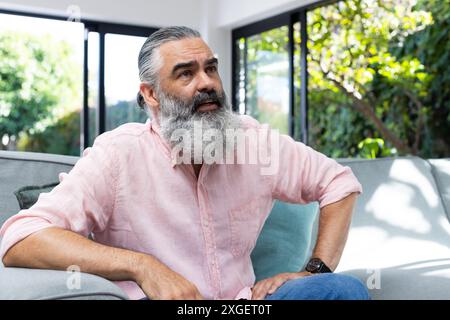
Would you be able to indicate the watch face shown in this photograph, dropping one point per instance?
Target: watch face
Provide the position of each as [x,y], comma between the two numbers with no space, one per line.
[314,265]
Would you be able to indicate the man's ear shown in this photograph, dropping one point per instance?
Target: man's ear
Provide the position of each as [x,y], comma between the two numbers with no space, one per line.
[149,94]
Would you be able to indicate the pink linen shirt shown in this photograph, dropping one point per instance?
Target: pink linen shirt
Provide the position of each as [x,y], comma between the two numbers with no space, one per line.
[127,193]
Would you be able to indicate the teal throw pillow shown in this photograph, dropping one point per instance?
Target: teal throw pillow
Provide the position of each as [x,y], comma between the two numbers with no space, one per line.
[285,239]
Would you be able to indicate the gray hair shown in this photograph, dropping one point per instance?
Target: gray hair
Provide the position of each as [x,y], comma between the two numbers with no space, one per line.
[149,61]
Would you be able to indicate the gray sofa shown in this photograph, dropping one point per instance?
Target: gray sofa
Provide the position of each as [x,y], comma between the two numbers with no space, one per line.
[399,243]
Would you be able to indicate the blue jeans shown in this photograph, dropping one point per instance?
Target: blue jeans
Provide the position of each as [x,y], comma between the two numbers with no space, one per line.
[326,286]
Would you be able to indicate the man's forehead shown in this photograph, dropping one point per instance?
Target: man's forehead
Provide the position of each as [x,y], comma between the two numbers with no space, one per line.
[187,49]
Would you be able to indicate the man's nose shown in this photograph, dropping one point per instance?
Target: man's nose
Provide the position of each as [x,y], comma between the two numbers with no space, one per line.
[205,82]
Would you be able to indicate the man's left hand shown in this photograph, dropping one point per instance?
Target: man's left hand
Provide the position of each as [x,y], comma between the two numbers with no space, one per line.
[269,285]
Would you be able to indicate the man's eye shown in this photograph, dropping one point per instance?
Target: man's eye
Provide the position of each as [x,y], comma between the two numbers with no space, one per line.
[186,73]
[211,69]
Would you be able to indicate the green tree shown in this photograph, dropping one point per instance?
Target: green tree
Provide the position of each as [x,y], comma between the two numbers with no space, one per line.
[39,82]
[353,66]
[268,49]
[63,137]
[123,112]
[431,46]
[379,69]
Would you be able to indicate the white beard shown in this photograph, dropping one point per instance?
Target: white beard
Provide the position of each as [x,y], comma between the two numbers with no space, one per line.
[196,137]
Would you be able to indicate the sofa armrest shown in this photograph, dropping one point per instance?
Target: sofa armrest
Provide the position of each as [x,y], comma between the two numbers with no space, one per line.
[36,284]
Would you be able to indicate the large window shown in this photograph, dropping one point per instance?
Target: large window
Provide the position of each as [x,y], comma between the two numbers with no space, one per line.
[41,84]
[366,76]
[267,77]
[62,82]
[122,80]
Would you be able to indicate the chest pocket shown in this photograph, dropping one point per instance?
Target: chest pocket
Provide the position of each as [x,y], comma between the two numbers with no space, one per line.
[245,225]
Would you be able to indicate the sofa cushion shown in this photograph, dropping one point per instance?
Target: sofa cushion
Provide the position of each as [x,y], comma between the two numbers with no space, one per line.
[19,169]
[27,196]
[284,242]
[400,232]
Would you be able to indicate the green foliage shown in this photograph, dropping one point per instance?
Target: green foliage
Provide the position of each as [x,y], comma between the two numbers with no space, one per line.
[431,46]
[374,148]
[268,49]
[378,69]
[355,59]
[333,129]
[63,137]
[123,112]
[38,82]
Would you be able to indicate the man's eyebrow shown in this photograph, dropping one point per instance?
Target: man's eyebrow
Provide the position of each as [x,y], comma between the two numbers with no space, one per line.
[212,61]
[183,65]
[192,63]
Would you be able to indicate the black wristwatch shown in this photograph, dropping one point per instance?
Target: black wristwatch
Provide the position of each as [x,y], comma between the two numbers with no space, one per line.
[315,265]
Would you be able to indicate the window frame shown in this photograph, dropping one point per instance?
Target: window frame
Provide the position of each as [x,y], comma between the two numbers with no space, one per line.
[289,18]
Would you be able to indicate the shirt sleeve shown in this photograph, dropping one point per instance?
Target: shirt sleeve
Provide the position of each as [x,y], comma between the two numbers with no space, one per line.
[305,175]
[82,202]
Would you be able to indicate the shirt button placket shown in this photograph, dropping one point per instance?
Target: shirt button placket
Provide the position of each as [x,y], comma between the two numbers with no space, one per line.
[210,241]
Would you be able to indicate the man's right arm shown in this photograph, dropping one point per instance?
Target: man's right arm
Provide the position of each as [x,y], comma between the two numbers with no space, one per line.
[52,234]
[56,248]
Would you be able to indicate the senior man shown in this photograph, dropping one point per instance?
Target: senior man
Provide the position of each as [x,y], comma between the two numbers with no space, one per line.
[169,220]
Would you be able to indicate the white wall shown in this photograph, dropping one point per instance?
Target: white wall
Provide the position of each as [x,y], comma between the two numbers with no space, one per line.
[235,13]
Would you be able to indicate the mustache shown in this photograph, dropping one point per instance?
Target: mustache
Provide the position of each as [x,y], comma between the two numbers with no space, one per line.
[204,97]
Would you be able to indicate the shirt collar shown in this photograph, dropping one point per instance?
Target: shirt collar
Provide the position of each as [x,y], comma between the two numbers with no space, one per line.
[156,131]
